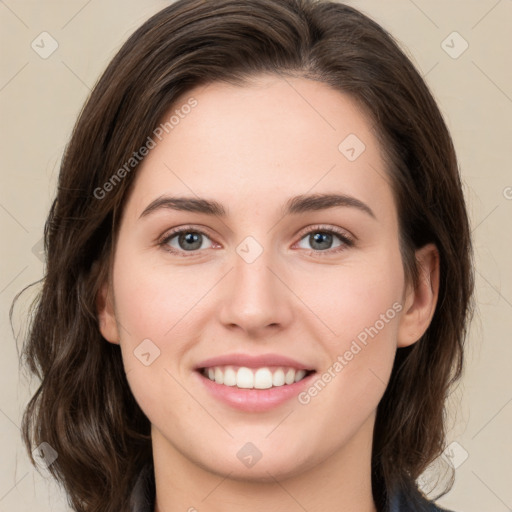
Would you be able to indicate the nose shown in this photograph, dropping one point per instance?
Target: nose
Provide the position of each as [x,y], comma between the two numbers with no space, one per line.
[256,298]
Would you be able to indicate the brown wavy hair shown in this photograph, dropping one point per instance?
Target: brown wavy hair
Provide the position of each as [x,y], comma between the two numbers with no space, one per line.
[83,406]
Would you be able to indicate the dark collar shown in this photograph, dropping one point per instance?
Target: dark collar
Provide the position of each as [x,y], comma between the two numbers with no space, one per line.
[142,498]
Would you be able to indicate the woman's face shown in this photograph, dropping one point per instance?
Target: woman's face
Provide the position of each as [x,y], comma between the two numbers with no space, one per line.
[280,273]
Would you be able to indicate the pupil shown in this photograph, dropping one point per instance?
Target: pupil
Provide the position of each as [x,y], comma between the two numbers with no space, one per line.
[318,238]
[192,241]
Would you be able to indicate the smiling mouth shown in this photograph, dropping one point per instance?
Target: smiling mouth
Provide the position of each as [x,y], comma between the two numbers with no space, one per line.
[254,378]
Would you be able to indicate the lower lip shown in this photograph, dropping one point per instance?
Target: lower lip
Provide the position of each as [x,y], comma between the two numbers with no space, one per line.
[254,400]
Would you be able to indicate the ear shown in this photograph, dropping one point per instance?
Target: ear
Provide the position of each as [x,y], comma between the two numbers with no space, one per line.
[420,302]
[106,314]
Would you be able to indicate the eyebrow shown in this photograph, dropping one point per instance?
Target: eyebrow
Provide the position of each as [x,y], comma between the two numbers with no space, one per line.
[294,205]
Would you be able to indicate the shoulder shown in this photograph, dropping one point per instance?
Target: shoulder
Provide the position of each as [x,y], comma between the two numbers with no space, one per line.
[413,501]
[142,498]
[432,507]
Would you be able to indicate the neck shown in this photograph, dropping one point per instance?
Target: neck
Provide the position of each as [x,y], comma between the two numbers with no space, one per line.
[339,483]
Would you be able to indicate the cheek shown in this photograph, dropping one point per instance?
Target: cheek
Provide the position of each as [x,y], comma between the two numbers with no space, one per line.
[359,307]
[153,309]
[154,306]
[350,298]
[152,301]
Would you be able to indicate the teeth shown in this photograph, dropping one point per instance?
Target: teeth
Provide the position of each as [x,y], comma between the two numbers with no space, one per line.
[278,378]
[229,377]
[300,375]
[248,378]
[219,376]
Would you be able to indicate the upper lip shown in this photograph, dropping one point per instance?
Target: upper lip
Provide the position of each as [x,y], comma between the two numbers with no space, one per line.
[252,361]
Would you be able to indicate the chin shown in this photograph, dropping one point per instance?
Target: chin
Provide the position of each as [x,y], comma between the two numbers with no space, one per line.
[272,464]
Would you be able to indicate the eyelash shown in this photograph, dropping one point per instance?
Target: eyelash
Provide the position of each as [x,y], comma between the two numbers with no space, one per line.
[346,240]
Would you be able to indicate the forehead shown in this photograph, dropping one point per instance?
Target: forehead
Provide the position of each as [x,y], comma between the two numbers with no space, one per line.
[273,113]
[269,139]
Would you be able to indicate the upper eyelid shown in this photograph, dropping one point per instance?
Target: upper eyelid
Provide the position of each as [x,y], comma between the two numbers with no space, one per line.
[319,227]
[171,233]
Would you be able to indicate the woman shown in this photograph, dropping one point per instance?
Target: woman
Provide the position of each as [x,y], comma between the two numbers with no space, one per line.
[259,273]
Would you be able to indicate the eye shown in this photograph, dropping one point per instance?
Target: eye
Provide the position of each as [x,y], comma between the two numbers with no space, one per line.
[191,240]
[322,239]
[184,240]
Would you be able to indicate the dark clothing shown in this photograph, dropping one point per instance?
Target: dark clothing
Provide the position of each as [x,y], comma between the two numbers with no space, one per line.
[143,497]
[402,502]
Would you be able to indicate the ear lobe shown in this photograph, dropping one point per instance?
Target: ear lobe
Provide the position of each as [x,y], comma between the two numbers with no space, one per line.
[106,314]
[420,303]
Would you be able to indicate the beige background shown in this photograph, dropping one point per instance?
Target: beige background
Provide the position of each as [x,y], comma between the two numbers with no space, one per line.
[40,99]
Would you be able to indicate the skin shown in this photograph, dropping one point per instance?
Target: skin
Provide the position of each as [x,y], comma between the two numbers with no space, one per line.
[251,148]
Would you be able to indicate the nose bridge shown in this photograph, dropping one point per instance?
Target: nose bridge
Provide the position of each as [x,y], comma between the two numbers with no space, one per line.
[252,273]
[256,297]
